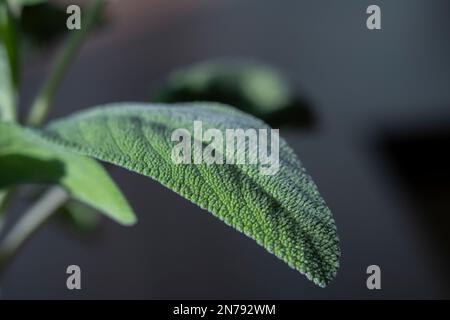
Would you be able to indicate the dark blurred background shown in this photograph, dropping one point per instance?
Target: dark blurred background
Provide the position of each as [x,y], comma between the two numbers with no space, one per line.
[378,150]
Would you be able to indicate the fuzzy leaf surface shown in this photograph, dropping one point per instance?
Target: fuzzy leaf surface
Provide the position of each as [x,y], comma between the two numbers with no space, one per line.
[283,212]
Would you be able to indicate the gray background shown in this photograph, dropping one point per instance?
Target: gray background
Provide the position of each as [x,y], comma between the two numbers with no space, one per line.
[362,84]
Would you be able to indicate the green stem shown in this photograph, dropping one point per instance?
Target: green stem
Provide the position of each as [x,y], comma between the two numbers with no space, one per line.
[30,222]
[16,7]
[3,202]
[8,64]
[5,199]
[42,104]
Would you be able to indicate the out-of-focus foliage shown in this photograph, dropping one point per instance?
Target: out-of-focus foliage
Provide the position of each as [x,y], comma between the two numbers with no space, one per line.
[79,217]
[250,86]
[8,64]
[42,24]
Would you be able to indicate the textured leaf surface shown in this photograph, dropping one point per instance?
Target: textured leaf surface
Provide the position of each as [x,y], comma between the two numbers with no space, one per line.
[25,158]
[284,212]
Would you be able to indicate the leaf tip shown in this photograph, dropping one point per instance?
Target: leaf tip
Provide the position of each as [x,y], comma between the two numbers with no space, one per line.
[128,221]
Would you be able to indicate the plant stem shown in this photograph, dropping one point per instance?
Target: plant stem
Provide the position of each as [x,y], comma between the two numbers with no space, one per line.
[42,104]
[30,222]
[5,199]
[15,6]
[3,202]
[8,64]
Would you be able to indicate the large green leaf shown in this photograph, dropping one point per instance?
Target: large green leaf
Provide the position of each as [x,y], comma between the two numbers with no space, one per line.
[283,212]
[24,158]
[8,64]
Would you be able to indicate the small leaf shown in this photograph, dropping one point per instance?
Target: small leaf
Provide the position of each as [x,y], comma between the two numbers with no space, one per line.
[253,87]
[283,212]
[24,158]
[8,65]
[3,198]
[41,24]
[7,95]
[79,217]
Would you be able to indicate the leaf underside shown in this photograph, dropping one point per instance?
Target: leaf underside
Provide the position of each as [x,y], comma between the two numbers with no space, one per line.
[250,86]
[24,158]
[284,213]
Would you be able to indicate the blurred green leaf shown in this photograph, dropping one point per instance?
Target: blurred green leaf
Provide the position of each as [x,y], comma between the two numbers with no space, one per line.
[250,86]
[80,217]
[45,23]
[26,2]
[9,70]
[24,158]
[3,196]
[31,2]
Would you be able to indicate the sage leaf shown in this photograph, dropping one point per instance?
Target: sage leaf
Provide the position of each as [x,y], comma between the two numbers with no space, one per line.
[251,86]
[26,158]
[283,212]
